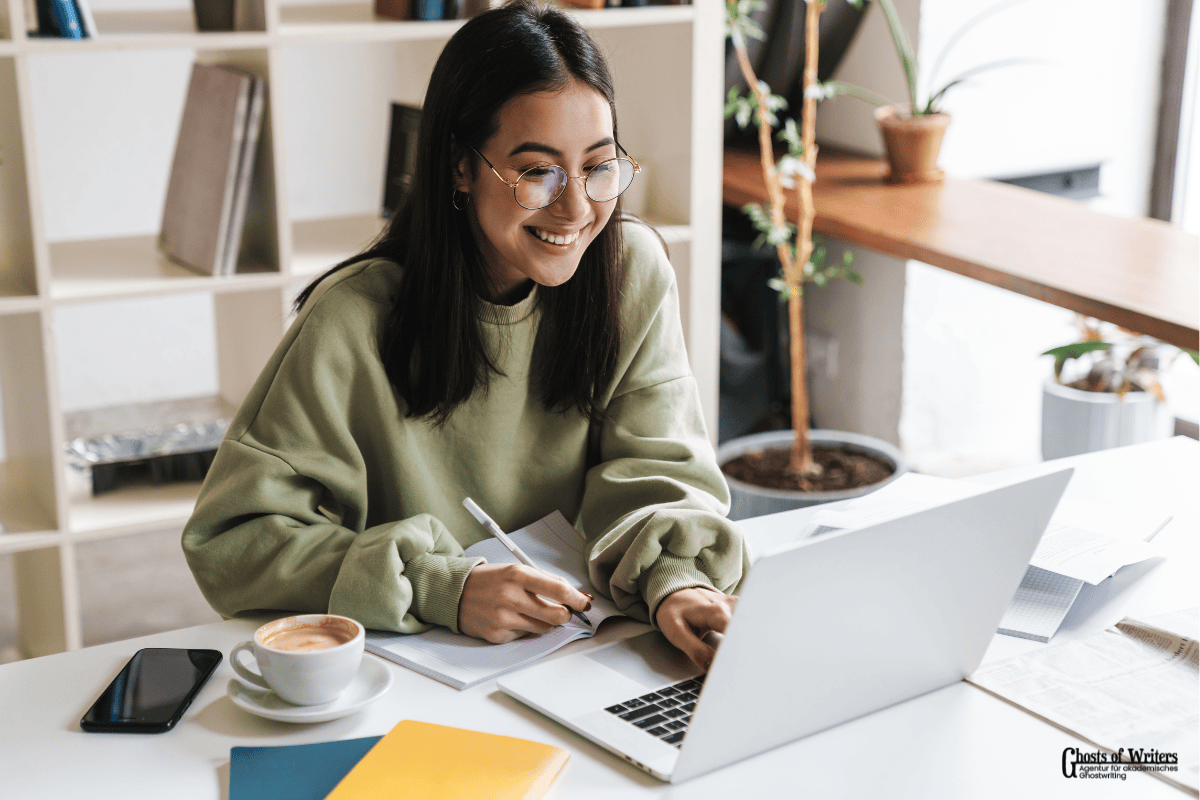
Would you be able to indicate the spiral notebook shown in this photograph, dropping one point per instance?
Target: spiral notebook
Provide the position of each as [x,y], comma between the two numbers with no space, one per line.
[461,661]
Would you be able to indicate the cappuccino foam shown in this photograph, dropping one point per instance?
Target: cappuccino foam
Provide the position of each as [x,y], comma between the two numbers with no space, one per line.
[305,638]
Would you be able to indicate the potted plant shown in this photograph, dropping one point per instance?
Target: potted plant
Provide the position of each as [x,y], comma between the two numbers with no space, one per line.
[912,132]
[779,470]
[1111,394]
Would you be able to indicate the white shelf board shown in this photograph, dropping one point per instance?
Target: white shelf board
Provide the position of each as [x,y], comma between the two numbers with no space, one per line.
[131,266]
[150,29]
[356,21]
[7,48]
[21,542]
[133,510]
[634,17]
[23,304]
[320,243]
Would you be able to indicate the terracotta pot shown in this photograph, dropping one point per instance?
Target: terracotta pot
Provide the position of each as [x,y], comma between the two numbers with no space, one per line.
[749,500]
[912,144]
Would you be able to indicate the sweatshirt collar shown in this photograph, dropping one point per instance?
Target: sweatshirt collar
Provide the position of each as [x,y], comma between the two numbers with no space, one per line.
[508,315]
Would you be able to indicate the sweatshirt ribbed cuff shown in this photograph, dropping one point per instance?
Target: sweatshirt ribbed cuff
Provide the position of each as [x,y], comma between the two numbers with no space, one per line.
[670,574]
[437,585]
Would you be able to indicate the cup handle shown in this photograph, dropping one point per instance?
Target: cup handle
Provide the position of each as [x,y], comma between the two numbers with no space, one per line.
[244,673]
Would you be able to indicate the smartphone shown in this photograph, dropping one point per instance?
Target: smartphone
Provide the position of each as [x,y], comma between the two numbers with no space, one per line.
[152,691]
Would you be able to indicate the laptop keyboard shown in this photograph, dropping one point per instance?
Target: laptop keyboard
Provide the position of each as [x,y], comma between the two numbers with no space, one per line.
[664,714]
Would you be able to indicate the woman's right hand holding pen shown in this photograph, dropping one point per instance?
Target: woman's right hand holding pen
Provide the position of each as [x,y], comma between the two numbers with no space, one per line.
[503,602]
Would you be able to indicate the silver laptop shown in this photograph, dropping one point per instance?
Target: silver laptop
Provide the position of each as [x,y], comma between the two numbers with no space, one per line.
[873,615]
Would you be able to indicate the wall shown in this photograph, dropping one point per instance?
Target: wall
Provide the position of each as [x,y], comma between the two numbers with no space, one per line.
[971,373]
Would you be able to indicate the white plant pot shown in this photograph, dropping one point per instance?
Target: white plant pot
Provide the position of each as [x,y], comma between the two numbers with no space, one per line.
[754,501]
[1075,421]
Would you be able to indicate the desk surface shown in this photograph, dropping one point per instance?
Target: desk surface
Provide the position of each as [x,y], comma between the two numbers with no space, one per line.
[1142,274]
[955,742]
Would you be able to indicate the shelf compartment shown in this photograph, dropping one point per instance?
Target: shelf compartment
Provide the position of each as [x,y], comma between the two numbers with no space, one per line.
[17,272]
[96,144]
[336,170]
[321,243]
[27,500]
[206,345]
[150,29]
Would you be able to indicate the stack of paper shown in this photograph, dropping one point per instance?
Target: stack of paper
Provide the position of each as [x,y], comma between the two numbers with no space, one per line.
[1084,543]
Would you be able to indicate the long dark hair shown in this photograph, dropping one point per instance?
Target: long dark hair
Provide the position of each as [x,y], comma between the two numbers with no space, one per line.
[432,346]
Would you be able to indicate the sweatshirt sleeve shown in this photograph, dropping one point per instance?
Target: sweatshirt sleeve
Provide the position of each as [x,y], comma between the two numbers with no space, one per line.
[291,518]
[654,504]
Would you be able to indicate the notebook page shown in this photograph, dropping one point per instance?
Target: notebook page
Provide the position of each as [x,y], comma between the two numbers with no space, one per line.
[462,661]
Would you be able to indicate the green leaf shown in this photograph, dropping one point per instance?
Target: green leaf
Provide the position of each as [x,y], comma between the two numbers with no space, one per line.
[904,49]
[739,25]
[930,107]
[1077,349]
[829,89]
[1195,355]
[1069,351]
[958,35]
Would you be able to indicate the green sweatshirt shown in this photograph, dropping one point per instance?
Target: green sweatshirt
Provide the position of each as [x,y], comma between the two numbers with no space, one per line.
[324,497]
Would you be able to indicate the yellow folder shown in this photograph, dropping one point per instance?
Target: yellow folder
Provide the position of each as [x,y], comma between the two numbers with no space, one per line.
[420,760]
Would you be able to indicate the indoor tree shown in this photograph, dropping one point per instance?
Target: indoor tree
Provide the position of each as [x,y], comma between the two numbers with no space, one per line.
[802,259]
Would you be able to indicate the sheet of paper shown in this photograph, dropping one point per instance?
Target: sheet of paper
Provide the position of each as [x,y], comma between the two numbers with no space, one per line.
[1132,687]
[1085,541]
[1091,541]
[907,494]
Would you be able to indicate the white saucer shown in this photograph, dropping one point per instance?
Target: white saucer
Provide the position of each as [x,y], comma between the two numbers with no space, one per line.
[372,680]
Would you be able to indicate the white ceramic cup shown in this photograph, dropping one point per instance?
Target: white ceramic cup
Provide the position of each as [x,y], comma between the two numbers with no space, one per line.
[303,677]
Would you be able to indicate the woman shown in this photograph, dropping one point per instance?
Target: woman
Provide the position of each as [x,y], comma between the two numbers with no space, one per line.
[507,338]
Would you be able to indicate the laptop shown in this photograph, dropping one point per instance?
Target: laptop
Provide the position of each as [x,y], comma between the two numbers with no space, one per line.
[873,615]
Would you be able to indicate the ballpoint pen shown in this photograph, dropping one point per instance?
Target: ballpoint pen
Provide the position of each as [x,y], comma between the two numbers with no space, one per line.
[494,529]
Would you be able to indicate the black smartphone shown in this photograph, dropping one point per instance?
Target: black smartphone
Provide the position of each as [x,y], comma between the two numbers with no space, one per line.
[152,691]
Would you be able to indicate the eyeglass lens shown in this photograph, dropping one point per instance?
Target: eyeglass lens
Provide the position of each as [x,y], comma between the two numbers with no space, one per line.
[541,186]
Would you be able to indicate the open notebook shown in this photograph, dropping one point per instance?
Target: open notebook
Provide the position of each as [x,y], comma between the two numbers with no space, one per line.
[460,661]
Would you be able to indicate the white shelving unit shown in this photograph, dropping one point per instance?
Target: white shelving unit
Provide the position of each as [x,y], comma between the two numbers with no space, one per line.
[331,72]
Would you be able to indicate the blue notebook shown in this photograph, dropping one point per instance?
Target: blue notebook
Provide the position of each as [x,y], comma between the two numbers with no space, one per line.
[293,772]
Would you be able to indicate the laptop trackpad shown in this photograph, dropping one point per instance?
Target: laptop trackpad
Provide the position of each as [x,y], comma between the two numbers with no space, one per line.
[648,659]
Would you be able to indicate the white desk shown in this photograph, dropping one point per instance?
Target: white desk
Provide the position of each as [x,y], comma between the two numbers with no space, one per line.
[956,742]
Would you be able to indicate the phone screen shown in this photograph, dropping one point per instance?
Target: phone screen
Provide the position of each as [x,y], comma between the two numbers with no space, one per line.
[152,691]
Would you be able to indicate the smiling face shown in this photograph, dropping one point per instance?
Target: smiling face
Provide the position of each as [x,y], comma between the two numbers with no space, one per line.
[571,128]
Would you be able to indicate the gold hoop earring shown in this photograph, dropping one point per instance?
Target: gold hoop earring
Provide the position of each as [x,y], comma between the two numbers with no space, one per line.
[454,200]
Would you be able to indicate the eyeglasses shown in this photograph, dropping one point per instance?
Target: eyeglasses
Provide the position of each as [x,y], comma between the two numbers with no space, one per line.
[538,187]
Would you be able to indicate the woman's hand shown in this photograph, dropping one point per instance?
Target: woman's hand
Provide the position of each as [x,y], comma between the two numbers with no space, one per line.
[502,602]
[686,616]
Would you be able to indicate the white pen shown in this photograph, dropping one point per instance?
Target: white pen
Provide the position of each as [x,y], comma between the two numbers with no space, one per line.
[494,529]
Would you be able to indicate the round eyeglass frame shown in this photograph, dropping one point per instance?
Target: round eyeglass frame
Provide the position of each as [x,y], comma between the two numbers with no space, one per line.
[514,184]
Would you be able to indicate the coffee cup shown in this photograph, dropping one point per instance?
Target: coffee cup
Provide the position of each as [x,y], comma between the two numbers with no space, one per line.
[307,659]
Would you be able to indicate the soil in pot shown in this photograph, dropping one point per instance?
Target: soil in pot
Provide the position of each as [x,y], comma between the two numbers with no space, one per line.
[840,469]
